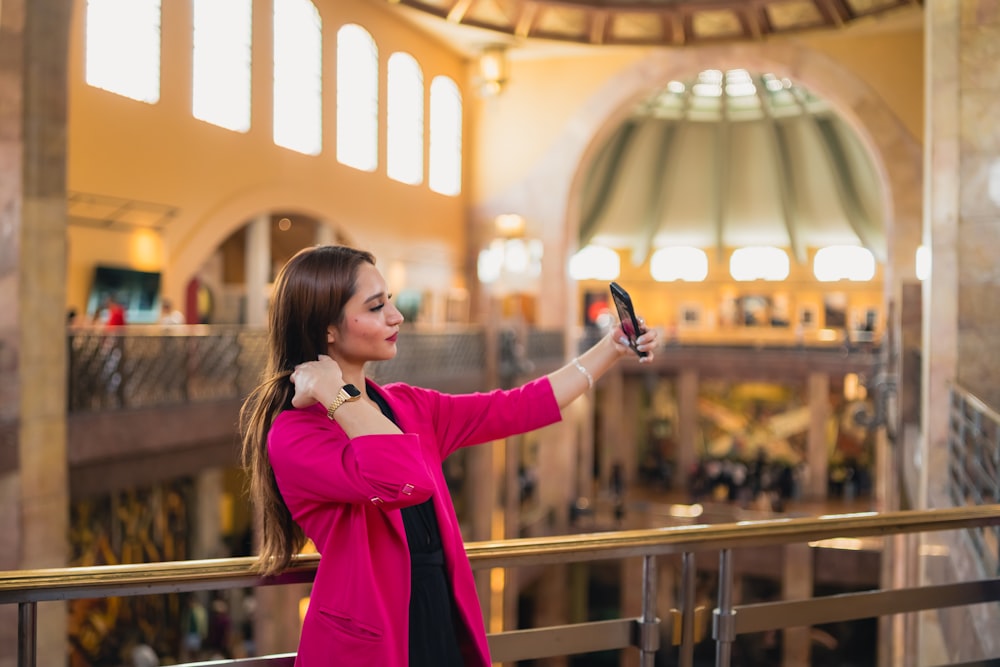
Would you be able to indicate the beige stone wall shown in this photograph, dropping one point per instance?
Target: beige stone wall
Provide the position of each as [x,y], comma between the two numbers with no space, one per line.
[978,242]
[961,318]
[33,469]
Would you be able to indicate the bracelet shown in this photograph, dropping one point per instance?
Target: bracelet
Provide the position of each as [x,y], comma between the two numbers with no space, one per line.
[586,373]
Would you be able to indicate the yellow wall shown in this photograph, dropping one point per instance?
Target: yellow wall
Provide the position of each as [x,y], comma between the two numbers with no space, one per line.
[218,179]
[892,63]
[519,126]
[141,250]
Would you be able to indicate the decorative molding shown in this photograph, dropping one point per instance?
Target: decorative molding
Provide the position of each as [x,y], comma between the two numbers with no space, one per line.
[654,22]
[86,209]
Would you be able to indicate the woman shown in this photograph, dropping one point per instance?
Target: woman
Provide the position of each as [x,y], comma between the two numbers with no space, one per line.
[356,467]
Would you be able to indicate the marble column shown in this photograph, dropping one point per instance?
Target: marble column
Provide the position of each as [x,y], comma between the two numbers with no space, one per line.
[797,584]
[582,415]
[687,426]
[483,475]
[962,220]
[631,602]
[511,525]
[34,493]
[561,598]
[206,540]
[977,242]
[962,230]
[258,269]
[942,294]
[817,447]
[632,431]
[616,425]
[326,234]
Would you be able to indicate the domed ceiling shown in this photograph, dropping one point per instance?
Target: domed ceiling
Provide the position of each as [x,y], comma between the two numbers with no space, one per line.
[732,159]
[725,160]
[652,22]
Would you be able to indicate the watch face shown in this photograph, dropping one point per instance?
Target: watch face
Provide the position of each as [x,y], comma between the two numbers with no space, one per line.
[352,390]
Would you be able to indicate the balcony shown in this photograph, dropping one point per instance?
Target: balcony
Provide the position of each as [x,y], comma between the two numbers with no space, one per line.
[149,402]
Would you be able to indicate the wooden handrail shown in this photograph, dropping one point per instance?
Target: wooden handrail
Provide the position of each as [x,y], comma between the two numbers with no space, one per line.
[178,576]
[28,587]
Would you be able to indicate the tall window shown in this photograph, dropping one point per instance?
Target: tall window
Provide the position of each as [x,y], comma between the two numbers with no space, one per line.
[221,77]
[357,98]
[841,262]
[759,263]
[594,262]
[123,47]
[298,70]
[679,263]
[446,137]
[405,123]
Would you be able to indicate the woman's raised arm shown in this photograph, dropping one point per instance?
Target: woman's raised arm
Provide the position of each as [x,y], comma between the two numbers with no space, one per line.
[579,375]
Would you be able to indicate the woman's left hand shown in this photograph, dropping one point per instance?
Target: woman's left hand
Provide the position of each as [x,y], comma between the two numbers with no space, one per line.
[315,380]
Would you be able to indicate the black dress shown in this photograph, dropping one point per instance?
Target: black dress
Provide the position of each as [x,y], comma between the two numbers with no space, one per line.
[433,639]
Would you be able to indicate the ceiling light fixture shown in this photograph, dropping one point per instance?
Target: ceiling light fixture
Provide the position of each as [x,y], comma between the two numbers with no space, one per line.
[492,75]
[511,262]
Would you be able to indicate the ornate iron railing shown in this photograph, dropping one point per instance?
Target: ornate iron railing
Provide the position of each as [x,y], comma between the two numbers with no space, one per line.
[138,367]
[157,366]
[151,366]
[974,464]
[730,617]
[448,357]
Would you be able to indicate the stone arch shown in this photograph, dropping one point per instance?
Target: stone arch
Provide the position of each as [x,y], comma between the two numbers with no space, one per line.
[548,190]
[895,153]
[187,253]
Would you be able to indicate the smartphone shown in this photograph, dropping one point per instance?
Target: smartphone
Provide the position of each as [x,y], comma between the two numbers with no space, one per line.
[626,313]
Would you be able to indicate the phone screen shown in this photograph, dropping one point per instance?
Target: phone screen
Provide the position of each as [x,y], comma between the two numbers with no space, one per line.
[626,313]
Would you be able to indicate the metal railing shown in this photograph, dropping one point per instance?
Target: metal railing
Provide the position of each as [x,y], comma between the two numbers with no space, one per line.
[147,366]
[155,366]
[730,618]
[974,467]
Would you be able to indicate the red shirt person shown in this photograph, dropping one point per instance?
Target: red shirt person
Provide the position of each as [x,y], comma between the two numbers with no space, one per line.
[116,313]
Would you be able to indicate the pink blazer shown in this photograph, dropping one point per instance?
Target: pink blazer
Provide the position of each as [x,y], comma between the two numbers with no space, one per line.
[346,494]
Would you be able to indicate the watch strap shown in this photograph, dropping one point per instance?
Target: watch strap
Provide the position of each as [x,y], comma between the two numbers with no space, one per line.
[346,394]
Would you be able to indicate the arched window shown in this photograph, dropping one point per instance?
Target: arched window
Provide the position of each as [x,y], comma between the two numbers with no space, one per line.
[759,263]
[679,263]
[357,98]
[405,123]
[446,137]
[221,73]
[844,262]
[923,263]
[298,76]
[595,262]
[123,47]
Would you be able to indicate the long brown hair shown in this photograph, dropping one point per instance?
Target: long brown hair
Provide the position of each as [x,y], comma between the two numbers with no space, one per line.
[309,295]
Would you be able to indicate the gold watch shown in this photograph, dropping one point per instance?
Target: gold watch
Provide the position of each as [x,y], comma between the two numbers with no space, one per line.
[348,393]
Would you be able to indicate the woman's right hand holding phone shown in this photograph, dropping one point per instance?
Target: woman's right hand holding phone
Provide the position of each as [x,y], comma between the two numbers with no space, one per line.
[645,343]
[581,373]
